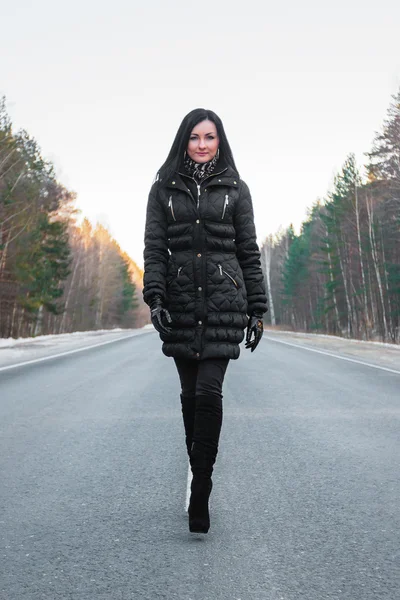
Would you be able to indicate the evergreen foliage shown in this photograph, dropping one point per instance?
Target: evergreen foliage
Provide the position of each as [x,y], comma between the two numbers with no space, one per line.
[54,275]
[341,274]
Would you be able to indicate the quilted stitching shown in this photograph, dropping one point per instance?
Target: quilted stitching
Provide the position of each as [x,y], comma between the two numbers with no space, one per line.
[204,263]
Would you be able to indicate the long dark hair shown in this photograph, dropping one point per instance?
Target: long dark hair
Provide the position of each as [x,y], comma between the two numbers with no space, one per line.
[181,141]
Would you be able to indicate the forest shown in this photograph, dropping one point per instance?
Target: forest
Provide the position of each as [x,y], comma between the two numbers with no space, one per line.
[341,274]
[55,276]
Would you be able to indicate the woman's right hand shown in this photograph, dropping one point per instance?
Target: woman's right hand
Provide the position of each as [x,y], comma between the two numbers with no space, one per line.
[157,312]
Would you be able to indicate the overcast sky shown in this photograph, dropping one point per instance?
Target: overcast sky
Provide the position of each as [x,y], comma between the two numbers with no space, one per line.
[103,87]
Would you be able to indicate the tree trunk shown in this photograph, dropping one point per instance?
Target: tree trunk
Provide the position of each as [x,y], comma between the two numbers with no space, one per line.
[39,322]
[338,326]
[267,257]
[376,267]
[364,286]
[391,329]
[348,304]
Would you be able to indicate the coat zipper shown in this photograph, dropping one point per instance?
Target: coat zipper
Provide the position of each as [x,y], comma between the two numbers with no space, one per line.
[171,207]
[225,205]
[198,185]
[175,276]
[221,270]
[198,195]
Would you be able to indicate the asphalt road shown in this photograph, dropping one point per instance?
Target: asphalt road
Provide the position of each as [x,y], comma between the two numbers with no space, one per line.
[93,475]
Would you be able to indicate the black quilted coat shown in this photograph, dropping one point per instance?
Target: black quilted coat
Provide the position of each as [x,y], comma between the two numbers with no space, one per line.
[201,256]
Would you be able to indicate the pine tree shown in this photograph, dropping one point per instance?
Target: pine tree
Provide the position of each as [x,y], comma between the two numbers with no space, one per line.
[295,277]
[385,155]
[41,267]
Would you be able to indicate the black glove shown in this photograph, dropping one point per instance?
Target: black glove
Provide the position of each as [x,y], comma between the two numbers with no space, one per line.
[255,326]
[157,312]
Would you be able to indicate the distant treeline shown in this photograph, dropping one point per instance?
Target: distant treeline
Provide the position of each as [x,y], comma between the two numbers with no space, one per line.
[55,276]
[341,275]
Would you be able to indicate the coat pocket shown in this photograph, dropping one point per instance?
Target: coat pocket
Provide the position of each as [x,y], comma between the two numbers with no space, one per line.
[225,273]
[175,275]
[226,202]
[171,207]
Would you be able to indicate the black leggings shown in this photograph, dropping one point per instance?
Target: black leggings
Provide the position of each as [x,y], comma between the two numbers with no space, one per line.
[202,378]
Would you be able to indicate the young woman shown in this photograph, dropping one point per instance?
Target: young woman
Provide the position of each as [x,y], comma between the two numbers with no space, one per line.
[203,282]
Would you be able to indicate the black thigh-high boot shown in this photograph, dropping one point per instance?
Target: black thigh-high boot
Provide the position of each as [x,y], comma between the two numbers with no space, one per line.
[188,404]
[207,427]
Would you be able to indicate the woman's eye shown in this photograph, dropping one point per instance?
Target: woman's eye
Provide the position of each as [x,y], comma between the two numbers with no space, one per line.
[209,137]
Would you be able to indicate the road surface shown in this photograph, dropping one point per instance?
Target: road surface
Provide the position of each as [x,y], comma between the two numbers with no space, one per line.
[93,479]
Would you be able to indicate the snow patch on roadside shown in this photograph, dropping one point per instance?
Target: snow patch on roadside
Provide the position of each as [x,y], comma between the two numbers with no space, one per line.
[334,337]
[62,337]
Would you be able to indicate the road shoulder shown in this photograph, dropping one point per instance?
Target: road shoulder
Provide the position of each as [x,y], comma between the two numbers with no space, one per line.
[23,350]
[375,353]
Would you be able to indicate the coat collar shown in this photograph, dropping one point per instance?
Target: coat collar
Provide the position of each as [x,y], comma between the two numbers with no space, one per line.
[223,175]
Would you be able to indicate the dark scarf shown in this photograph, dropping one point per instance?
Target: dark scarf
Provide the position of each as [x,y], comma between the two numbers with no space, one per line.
[199,170]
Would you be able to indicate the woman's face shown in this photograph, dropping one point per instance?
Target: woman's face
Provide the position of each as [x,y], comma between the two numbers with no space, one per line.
[203,142]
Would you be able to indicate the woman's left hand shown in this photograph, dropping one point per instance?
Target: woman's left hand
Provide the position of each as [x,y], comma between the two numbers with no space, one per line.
[255,327]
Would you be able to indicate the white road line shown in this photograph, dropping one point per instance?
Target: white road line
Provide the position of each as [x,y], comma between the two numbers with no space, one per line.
[189,481]
[359,362]
[43,358]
